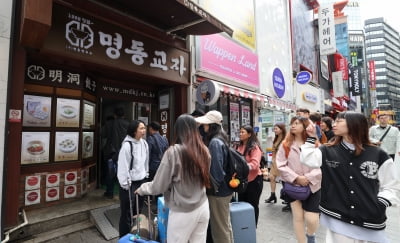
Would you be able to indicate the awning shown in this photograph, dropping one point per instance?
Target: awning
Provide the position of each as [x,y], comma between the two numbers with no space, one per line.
[175,17]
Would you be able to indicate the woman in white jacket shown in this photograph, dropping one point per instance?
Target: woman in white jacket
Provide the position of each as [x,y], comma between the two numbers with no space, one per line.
[133,168]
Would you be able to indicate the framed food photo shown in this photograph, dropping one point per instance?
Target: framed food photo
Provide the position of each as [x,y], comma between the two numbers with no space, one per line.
[35,147]
[66,146]
[68,111]
[87,145]
[88,114]
[37,111]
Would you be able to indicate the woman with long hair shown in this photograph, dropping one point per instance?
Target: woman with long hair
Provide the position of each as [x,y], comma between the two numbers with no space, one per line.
[280,134]
[359,181]
[220,195]
[250,148]
[305,213]
[182,177]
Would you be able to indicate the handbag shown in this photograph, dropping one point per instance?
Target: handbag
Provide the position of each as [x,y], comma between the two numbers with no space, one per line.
[296,192]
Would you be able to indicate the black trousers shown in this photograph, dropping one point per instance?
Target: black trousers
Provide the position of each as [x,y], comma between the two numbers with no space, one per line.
[125,219]
[252,194]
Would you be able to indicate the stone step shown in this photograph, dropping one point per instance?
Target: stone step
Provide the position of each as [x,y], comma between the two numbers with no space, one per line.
[52,235]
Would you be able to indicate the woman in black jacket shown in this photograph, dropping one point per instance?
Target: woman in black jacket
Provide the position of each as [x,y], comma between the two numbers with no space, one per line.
[359,180]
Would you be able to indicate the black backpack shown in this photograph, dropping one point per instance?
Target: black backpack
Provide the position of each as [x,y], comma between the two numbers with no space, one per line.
[236,168]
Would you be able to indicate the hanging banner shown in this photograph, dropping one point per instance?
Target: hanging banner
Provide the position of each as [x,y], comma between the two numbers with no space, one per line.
[326,23]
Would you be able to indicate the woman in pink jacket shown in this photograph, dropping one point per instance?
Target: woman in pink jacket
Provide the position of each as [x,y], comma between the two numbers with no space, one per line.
[305,212]
[250,148]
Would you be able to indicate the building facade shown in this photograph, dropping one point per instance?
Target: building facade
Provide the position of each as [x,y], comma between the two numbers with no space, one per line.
[382,47]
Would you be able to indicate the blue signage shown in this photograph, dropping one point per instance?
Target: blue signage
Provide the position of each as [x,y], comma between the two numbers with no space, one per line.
[303,77]
[279,82]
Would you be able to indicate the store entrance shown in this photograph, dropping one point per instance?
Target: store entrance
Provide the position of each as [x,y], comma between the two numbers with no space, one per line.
[131,111]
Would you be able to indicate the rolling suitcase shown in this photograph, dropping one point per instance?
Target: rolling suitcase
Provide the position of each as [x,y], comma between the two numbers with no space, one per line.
[144,226]
[243,222]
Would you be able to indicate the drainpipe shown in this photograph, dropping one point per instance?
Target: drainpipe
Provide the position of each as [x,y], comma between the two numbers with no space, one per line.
[7,234]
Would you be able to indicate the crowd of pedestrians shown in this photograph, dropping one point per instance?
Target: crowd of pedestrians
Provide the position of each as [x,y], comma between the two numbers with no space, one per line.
[347,167]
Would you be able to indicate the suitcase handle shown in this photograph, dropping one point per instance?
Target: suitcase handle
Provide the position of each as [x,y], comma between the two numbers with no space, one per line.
[149,216]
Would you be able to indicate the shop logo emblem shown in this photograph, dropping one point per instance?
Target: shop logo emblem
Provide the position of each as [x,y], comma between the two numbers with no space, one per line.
[79,34]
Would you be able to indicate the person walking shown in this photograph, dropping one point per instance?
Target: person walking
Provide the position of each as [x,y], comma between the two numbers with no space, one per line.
[220,195]
[133,170]
[280,134]
[385,136]
[113,133]
[359,181]
[182,177]
[250,148]
[305,212]
[157,146]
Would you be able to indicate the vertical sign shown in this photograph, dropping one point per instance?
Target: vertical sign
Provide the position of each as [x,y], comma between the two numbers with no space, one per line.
[326,25]
[372,75]
[337,81]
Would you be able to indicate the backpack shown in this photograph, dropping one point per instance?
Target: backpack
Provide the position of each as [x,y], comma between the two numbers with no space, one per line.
[236,169]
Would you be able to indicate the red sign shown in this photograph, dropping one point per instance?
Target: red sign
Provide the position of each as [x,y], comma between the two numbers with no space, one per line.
[33,180]
[341,65]
[52,193]
[70,190]
[32,196]
[52,179]
[372,75]
[70,176]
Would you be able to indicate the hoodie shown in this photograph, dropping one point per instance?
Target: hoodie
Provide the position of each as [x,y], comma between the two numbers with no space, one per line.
[140,165]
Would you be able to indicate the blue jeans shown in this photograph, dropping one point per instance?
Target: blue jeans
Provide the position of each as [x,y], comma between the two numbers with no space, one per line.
[110,180]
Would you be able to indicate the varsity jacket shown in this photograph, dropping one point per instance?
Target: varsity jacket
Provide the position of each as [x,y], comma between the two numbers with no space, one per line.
[355,189]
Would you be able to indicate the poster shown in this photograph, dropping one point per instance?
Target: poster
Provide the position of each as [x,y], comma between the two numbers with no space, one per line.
[87,144]
[67,112]
[66,146]
[245,115]
[35,147]
[88,114]
[234,123]
[37,111]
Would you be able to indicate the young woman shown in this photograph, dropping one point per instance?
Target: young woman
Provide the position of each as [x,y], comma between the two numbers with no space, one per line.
[359,180]
[305,212]
[326,127]
[250,148]
[133,167]
[182,177]
[221,195]
[280,133]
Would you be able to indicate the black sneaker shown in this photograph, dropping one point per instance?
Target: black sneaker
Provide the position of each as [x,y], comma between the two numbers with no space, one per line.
[286,208]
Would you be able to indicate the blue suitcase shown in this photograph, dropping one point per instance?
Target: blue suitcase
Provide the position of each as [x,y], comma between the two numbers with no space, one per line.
[129,238]
[243,222]
[162,219]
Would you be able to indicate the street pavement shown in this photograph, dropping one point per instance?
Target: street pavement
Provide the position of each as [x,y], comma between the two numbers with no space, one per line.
[273,226]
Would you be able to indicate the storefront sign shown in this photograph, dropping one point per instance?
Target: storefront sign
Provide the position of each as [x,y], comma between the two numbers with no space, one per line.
[89,39]
[32,197]
[228,59]
[53,180]
[310,97]
[207,93]
[278,82]
[52,194]
[303,77]
[356,79]
[372,75]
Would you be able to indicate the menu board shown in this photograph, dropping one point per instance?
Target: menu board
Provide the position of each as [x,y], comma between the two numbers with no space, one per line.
[67,112]
[35,147]
[87,144]
[88,114]
[37,111]
[66,146]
